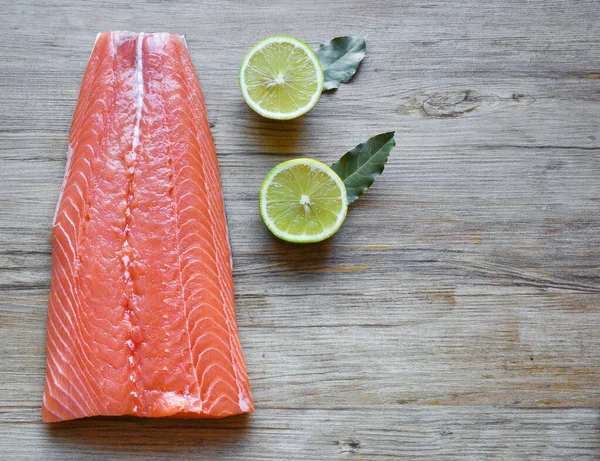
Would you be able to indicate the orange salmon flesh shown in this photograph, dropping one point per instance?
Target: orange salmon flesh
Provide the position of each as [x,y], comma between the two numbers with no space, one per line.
[141,315]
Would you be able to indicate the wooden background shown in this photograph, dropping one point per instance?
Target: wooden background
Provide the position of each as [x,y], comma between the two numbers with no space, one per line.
[456,315]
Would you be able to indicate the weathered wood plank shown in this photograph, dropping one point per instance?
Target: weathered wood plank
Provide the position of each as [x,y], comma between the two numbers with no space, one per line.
[456,313]
[406,432]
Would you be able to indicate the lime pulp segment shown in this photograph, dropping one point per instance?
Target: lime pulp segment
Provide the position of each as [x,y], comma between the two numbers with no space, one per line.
[303,201]
[281,78]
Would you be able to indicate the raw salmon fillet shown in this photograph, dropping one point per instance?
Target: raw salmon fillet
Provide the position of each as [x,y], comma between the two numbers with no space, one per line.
[141,315]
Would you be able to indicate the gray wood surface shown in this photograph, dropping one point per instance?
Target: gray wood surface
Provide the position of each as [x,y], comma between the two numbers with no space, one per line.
[456,314]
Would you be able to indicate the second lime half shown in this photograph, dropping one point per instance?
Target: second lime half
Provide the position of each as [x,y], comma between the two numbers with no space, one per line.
[303,201]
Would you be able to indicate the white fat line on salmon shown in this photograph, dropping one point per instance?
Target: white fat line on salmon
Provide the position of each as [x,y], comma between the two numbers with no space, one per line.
[131,157]
[130,161]
[64,183]
[95,41]
[139,91]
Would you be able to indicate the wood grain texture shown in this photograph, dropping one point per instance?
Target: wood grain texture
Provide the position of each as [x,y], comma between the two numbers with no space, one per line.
[456,313]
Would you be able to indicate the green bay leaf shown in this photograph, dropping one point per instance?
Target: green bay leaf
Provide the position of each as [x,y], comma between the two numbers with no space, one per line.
[359,167]
[340,58]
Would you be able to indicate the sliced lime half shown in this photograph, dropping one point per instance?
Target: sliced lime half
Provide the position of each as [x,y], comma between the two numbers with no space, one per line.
[281,78]
[303,201]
